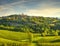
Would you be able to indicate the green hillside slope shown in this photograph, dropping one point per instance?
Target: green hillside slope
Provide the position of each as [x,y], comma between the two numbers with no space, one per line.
[33,24]
[23,30]
[11,38]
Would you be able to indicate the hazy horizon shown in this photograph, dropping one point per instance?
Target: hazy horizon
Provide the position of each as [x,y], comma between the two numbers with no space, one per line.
[46,8]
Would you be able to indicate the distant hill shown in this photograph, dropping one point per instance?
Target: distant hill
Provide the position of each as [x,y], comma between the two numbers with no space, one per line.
[34,24]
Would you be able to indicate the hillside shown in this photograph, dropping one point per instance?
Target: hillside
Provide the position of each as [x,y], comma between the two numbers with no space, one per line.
[34,24]
[11,38]
[23,30]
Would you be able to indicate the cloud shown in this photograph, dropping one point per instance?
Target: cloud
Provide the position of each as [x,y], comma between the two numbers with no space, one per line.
[2,2]
[12,8]
[31,7]
[47,12]
[47,8]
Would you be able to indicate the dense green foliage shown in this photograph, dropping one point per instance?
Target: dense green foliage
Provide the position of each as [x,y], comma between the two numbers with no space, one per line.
[35,24]
[23,30]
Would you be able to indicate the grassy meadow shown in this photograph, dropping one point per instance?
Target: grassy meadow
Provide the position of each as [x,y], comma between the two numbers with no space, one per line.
[11,38]
[29,22]
[23,30]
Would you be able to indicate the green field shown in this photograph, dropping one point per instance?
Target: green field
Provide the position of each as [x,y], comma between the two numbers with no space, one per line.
[24,30]
[11,38]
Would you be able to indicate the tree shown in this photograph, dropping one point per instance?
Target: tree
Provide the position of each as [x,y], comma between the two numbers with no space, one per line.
[56,32]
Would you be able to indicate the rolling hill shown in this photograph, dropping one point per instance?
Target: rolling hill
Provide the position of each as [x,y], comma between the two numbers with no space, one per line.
[24,30]
[33,24]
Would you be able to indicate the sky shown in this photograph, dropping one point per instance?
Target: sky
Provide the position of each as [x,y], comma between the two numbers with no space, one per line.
[46,8]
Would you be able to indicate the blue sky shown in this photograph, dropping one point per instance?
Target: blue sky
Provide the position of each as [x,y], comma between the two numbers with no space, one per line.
[46,8]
